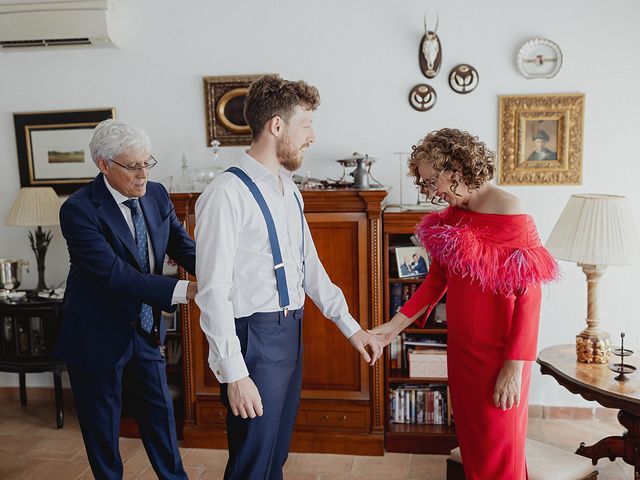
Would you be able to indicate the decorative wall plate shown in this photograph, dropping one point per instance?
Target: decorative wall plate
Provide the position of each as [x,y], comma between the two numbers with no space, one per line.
[463,78]
[422,97]
[539,58]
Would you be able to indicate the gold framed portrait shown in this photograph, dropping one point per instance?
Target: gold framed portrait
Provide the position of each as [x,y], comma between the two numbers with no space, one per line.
[224,109]
[540,139]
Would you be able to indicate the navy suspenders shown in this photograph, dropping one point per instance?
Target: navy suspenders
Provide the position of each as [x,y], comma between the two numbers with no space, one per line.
[278,264]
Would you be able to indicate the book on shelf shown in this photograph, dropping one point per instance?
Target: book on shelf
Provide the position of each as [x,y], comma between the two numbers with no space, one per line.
[440,314]
[419,404]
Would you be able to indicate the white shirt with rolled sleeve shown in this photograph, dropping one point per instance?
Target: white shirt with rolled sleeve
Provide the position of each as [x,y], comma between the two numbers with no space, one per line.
[234,265]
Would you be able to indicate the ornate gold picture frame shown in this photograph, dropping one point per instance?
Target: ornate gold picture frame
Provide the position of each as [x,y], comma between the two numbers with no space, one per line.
[224,109]
[540,139]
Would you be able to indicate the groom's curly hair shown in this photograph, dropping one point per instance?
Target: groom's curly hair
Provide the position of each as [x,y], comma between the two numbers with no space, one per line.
[272,95]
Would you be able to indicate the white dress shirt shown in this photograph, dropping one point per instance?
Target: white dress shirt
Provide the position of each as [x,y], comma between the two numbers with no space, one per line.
[180,290]
[234,265]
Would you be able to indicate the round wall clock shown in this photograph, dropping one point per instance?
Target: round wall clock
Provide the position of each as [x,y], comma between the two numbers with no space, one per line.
[539,58]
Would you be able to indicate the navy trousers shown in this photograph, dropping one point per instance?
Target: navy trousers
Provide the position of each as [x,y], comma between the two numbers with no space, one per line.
[272,349]
[98,402]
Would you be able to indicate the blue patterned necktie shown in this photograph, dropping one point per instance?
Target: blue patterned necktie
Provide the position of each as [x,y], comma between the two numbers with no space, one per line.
[146,312]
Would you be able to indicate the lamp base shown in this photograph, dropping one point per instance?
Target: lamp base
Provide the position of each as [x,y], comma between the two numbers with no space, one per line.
[593,347]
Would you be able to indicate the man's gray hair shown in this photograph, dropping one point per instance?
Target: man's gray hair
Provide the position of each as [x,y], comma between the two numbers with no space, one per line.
[112,137]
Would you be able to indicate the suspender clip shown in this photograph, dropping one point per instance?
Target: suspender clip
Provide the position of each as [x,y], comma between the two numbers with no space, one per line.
[286,311]
[280,265]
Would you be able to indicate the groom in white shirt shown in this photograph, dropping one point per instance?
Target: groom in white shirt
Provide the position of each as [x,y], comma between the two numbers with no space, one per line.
[256,261]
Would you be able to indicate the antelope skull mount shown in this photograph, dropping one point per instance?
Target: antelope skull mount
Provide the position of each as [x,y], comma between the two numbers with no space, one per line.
[430,53]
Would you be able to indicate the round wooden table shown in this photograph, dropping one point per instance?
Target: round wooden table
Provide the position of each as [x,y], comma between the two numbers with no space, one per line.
[597,383]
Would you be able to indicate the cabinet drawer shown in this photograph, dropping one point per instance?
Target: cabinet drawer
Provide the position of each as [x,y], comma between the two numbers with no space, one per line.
[354,419]
[211,414]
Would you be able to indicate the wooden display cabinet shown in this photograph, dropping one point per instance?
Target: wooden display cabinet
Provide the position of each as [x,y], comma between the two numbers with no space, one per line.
[342,409]
[398,227]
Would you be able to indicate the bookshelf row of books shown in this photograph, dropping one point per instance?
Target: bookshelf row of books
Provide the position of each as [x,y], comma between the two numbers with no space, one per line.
[399,293]
[404,343]
[420,404]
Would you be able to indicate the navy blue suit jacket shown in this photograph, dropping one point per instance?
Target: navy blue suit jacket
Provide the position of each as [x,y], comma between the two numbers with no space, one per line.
[105,287]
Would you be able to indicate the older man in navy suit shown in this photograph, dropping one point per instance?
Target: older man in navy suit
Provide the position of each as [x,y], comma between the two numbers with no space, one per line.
[118,229]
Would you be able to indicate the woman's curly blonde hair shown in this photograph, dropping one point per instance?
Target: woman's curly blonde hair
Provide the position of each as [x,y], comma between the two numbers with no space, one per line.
[457,151]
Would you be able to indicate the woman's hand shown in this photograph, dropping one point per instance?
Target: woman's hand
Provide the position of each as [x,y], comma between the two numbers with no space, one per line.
[391,329]
[508,383]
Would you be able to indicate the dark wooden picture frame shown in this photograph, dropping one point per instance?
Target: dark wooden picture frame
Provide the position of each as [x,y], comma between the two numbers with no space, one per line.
[224,109]
[53,147]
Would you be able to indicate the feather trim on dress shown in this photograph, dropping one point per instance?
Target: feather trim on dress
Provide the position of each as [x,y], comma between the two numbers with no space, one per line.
[471,251]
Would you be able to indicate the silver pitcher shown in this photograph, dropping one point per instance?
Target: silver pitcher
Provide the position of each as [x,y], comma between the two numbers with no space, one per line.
[361,174]
[11,273]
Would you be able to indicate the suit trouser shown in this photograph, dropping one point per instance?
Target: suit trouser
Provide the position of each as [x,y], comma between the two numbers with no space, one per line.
[272,348]
[98,402]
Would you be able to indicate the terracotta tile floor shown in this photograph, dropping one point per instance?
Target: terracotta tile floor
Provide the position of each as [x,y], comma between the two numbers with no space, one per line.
[32,448]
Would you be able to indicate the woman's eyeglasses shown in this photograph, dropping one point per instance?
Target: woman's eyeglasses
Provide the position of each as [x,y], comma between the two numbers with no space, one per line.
[427,184]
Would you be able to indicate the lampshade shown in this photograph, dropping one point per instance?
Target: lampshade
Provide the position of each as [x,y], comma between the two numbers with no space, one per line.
[596,230]
[34,206]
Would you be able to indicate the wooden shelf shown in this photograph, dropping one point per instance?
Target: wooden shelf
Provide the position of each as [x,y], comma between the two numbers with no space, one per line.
[398,226]
[412,438]
[427,331]
[406,280]
[412,428]
[397,376]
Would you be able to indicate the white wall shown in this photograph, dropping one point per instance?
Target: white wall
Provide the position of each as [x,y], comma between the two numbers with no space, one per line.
[362,55]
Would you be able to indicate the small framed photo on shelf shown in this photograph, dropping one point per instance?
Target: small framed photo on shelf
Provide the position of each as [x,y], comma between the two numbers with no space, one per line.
[171,320]
[412,262]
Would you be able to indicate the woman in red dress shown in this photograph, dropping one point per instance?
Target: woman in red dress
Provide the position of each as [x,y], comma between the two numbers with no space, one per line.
[486,254]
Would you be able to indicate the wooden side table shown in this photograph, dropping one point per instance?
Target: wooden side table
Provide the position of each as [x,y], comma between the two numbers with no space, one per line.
[30,327]
[596,382]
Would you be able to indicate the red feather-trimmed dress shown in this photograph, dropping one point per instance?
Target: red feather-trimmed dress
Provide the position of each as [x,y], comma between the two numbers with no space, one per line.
[491,267]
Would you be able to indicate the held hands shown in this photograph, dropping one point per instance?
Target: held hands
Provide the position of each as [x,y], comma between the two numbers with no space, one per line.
[386,332]
[361,340]
[192,289]
[244,398]
[507,391]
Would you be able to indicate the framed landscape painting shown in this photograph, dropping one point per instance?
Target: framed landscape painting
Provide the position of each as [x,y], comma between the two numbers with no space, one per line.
[53,147]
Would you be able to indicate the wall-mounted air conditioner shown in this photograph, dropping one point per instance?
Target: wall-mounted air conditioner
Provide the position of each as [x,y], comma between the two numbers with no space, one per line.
[46,24]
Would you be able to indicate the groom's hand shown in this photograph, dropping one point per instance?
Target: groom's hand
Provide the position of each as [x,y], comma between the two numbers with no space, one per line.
[362,340]
[244,398]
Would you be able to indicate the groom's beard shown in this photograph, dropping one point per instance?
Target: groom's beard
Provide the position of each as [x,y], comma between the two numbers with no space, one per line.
[290,157]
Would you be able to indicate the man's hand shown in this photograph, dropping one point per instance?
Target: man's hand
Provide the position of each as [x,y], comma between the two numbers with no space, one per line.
[244,398]
[507,391]
[192,289]
[361,339]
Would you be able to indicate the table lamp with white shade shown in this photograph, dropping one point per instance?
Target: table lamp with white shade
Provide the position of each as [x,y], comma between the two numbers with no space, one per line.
[595,231]
[34,207]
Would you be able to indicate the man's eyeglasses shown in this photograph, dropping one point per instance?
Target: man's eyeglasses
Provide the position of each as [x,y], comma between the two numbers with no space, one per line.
[150,163]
